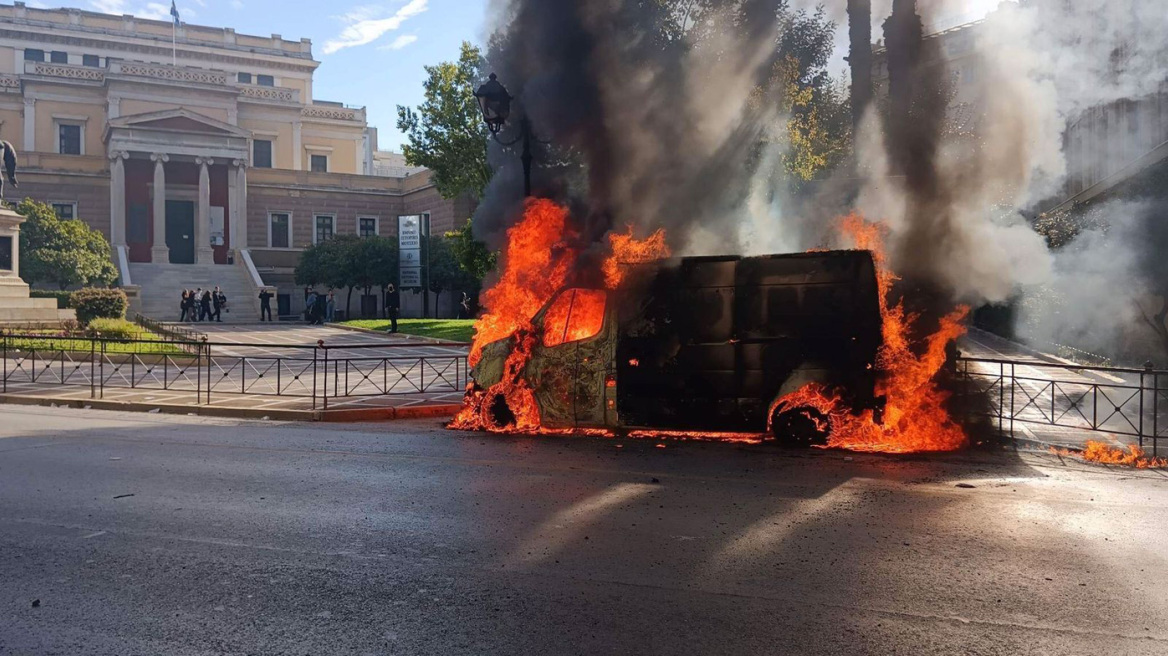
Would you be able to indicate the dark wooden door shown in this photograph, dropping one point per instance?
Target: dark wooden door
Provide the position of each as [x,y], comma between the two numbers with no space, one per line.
[180,231]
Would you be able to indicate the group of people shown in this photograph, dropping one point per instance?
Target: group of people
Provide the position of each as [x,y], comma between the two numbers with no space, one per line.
[319,308]
[202,305]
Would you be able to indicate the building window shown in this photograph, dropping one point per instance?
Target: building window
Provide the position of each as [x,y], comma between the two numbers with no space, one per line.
[90,60]
[265,80]
[244,78]
[325,228]
[65,211]
[58,57]
[34,55]
[69,139]
[318,163]
[367,227]
[261,153]
[280,230]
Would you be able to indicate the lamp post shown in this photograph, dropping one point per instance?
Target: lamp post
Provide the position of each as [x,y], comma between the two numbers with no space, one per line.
[495,104]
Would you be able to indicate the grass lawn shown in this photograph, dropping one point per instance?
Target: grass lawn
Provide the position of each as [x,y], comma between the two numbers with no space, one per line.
[451,330]
[147,344]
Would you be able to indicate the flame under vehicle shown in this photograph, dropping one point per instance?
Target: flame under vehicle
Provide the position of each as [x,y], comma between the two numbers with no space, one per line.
[703,344]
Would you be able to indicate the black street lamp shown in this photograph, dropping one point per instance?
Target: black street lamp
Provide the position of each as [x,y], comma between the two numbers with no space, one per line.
[495,104]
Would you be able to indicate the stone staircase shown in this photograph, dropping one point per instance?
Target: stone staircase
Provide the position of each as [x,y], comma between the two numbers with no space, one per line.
[161,288]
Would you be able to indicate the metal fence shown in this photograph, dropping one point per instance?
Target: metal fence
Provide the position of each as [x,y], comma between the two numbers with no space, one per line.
[1116,400]
[321,372]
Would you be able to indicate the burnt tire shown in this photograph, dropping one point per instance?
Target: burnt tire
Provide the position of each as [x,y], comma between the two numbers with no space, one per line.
[801,427]
[500,412]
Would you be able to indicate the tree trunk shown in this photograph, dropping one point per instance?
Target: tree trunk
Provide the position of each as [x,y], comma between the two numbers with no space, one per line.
[860,58]
[348,302]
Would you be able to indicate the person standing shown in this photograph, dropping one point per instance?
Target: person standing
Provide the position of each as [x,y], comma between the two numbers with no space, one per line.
[321,309]
[309,305]
[218,301]
[196,299]
[464,312]
[205,306]
[392,306]
[330,308]
[265,304]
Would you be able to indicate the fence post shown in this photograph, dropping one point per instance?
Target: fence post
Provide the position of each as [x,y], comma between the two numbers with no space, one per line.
[1013,386]
[1143,390]
[326,365]
[4,348]
[207,347]
[1156,414]
[92,367]
[101,371]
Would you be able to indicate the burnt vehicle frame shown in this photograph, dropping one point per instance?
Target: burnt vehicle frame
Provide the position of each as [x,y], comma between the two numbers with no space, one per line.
[704,344]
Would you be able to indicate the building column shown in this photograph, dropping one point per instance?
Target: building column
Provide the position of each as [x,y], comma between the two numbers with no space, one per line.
[159,251]
[203,252]
[29,124]
[297,148]
[239,207]
[118,198]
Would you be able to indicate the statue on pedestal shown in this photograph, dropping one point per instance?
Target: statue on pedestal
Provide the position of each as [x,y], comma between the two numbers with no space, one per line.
[9,166]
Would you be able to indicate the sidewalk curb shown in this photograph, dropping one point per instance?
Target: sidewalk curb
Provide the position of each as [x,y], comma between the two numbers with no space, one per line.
[330,416]
[419,338]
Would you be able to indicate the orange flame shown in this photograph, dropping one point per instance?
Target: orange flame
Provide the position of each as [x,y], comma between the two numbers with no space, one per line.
[1132,456]
[535,266]
[627,249]
[914,418]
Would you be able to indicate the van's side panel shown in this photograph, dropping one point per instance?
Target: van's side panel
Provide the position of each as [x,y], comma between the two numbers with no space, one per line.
[706,343]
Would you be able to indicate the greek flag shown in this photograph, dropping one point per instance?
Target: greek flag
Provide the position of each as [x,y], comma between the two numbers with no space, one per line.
[174,12]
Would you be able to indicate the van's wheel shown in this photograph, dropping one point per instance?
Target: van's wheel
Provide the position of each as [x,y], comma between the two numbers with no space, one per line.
[801,427]
[500,412]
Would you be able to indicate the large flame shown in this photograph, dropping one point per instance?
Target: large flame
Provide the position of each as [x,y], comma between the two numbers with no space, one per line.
[914,417]
[535,266]
[540,257]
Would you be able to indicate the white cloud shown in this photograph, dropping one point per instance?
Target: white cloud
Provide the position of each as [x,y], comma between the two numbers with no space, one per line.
[237,4]
[400,42]
[365,25]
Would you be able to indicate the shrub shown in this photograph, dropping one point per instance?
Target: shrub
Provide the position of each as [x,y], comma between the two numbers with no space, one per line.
[113,328]
[94,303]
[62,297]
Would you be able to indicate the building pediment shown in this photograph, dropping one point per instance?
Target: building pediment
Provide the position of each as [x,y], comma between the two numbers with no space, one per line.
[177,120]
[177,132]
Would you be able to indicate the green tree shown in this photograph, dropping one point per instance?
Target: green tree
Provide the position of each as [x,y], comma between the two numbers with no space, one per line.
[63,253]
[332,263]
[473,255]
[377,263]
[445,271]
[446,133]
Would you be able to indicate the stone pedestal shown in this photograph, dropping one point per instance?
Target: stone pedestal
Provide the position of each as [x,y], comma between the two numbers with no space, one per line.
[15,304]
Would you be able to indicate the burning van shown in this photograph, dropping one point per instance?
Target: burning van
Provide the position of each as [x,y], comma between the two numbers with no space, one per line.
[696,344]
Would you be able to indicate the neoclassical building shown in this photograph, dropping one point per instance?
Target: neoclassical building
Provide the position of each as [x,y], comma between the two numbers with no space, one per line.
[206,163]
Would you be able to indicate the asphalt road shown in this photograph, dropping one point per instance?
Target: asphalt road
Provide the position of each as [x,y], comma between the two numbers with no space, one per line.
[149,534]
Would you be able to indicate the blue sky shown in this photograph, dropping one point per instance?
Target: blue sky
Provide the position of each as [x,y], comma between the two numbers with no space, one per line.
[371,52]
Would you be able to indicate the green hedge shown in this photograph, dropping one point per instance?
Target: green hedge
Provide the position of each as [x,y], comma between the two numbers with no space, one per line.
[95,303]
[62,297]
[113,328]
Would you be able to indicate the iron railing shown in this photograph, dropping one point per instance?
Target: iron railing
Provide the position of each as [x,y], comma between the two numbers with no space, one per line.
[1121,401]
[173,332]
[320,372]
